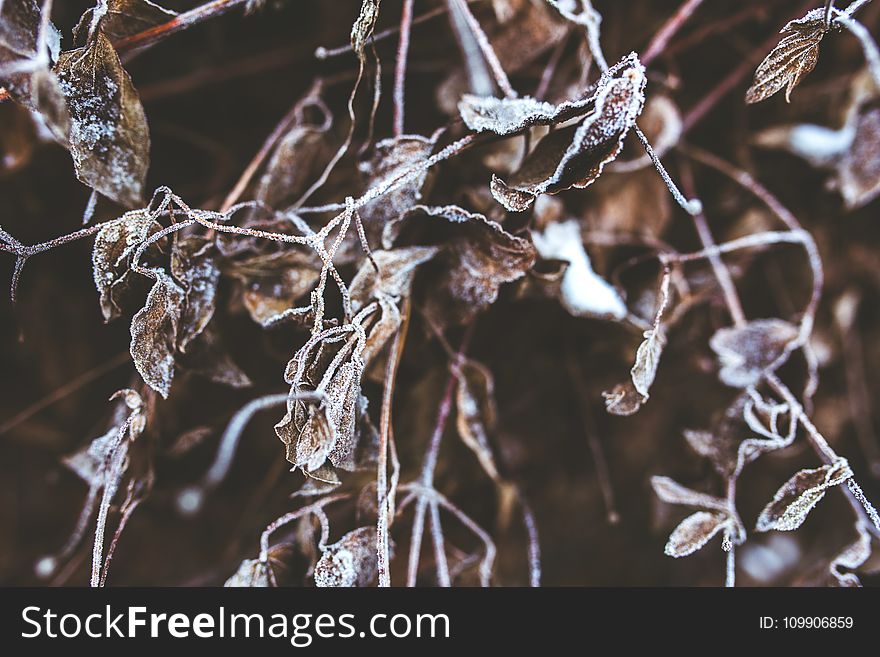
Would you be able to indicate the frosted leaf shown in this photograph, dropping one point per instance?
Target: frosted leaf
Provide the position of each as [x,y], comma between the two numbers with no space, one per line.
[478,256]
[296,161]
[397,268]
[273,283]
[644,370]
[583,291]
[114,245]
[391,159]
[349,562]
[325,430]
[574,156]
[207,356]
[694,532]
[124,18]
[794,56]
[476,413]
[37,87]
[672,492]
[89,462]
[746,353]
[853,556]
[109,138]
[363,27]
[154,331]
[194,268]
[506,116]
[797,497]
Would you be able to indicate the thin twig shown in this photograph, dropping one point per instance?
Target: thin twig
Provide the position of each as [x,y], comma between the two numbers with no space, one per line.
[661,39]
[406,20]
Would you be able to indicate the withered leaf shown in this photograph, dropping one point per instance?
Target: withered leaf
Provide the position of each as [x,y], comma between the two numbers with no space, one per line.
[478,257]
[154,330]
[794,56]
[574,156]
[694,532]
[208,357]
[644,370]
[476,413]
[853,556]
[363,27]
[397,268]
[391,159]
[34,86]
[858,173]
[192,264]
[109,138]
[349,562]
[127,17]
[321,430]
[746,353]
[623,399]
[583,291]
[272,283]
[672,492]
[298,159]
[114,245]
[797,497]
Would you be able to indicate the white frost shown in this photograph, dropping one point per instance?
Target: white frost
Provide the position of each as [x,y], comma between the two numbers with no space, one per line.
[584,292]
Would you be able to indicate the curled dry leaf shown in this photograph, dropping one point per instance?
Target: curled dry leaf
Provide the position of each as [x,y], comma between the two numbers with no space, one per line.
[575,155]
[349,562]
[114,245]
[478,256]
[109,138]
[748,352]
[475,412]
[694,532]
[797,497]
[154,330]
[794,57]
[853,556]
[363,27]
[35,86]
[320,426]
[583,291]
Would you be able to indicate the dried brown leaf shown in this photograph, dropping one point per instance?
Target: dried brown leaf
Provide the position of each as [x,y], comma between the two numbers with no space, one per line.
[114,245]
[349,562]
[694,532]
[797,497]
[109,138]
[192,264]
[746,353]
[154,331]
[478,257]
[794,56]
